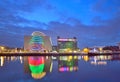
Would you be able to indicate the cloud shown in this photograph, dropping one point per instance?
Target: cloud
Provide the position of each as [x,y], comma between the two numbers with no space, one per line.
[23,5]
[106,6]
[105,34]
[13,27]
[87,36]
[12,10]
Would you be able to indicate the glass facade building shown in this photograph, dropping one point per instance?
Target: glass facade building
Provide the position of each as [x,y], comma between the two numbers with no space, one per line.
[67,45]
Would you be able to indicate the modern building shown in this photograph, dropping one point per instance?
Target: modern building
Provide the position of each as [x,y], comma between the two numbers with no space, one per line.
[37,42]
[67,44]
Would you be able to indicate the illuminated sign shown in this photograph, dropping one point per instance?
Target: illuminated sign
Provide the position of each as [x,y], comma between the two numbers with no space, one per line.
[66,39]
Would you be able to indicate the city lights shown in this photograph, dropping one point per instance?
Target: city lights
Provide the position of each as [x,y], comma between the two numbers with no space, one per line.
[39,42]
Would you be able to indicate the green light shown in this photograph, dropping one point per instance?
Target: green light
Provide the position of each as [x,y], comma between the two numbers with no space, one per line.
[70,63]
[36,39]
[37,69]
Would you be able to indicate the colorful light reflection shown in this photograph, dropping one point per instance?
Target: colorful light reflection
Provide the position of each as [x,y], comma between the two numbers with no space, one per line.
[36,66]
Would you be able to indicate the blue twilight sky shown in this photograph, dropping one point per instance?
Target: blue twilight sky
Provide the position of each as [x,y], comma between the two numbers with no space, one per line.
[93,22]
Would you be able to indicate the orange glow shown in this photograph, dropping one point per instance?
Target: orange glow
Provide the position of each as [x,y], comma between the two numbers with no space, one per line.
[39,75]
[85,50]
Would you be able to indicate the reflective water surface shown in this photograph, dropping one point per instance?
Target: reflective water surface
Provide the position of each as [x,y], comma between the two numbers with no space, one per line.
[60,68]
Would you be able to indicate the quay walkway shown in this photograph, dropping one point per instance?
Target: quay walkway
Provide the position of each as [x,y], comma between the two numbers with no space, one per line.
[56,54]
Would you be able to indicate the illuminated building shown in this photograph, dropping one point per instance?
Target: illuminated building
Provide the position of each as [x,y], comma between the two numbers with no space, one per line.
[37,42]
[67,63]
[67,45]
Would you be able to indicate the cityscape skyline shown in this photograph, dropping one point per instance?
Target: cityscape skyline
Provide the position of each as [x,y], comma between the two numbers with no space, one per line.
[29,36]
[93,23]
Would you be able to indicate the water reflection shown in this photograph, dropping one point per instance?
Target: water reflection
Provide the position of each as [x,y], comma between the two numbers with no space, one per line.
[101,59]
[67,63]
[38,66]
[4,59]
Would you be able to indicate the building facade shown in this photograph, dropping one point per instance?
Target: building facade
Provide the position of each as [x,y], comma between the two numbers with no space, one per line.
[67,44]
[37,42]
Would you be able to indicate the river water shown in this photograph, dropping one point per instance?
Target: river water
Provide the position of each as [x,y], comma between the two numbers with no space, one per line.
[60,68]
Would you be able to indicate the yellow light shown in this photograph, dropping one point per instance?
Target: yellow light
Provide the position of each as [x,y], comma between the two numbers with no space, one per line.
[101,49]
[75,51]
[70,57]
[51,66]
[2,61]
[39,75]
[2,48]
[85,50]
[68,50]
[86,58]
[75,57]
